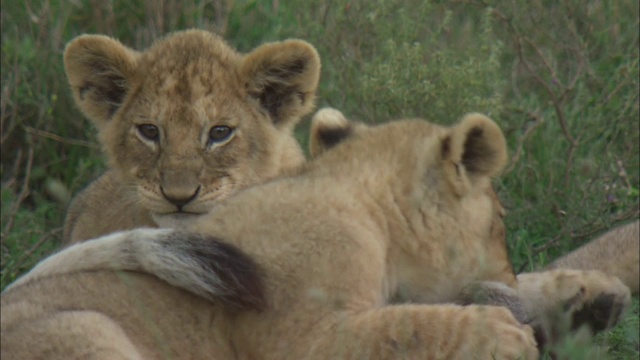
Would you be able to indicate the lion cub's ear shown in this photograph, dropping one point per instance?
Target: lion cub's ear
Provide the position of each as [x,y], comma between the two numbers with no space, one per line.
[99,70]
[329,127]
[474,149]
[283,76]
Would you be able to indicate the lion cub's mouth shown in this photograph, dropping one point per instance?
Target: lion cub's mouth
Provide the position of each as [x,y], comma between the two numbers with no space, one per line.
[176,220]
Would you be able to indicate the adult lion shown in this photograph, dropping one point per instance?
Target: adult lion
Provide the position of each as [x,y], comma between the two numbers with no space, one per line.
[184,124]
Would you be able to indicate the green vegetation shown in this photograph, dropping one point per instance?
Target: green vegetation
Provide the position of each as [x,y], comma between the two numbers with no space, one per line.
[561,78]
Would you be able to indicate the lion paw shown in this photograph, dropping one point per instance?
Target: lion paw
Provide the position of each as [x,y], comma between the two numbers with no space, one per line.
[601,302]
[563,300]
[498,335]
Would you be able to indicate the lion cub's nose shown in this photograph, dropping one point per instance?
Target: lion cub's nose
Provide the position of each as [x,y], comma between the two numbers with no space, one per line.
[179,197]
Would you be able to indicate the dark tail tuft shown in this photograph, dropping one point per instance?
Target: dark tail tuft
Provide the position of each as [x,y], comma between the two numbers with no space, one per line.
[228,274]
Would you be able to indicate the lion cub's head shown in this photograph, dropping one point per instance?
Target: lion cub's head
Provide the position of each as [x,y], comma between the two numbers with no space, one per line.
[190,121]
[471,152]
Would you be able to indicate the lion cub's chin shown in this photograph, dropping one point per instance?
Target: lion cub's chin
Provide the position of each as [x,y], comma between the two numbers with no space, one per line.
[176,220]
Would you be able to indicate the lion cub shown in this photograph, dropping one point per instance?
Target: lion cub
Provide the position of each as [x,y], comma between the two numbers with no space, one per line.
[579,289]
[616,252]
[357,250]
[184,124]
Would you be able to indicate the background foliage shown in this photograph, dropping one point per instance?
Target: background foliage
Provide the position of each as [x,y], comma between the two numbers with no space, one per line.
[560,77]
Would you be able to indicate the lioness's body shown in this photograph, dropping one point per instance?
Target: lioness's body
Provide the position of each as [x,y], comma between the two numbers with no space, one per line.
[184,124]
[409,218]
[616,252]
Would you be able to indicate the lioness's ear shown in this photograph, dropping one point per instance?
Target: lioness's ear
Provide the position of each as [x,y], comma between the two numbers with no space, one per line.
[474,149]
[283,77]
[99,69]
[328,128]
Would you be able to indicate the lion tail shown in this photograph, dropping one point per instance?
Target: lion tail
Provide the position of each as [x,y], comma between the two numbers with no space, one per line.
[201,264]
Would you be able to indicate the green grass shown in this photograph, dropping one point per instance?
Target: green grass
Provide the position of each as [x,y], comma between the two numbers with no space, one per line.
[561,79]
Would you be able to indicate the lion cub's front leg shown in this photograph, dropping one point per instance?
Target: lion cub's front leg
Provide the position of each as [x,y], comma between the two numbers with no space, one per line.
[422,332]
[563,299]
[556,302]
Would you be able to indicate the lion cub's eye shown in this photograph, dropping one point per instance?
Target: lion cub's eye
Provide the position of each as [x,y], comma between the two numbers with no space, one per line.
[149,132]
[219,133]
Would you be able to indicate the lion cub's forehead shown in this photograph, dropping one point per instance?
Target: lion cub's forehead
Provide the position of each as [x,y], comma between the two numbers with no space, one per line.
[190,66]
[394,135]
[195,115]
[191,46]
[189,78]
[393,143]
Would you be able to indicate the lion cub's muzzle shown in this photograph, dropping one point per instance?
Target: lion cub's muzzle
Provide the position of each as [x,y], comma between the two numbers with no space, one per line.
[181,206]
[180,187]
[180,197]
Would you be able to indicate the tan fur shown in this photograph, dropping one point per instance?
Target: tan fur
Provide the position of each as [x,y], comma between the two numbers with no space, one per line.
[554,302]
[559,299]
[591,285]
[184,85]
[409,219]
[616,252]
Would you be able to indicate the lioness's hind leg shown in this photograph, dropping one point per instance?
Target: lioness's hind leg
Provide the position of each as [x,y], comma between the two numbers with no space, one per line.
[68,335]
